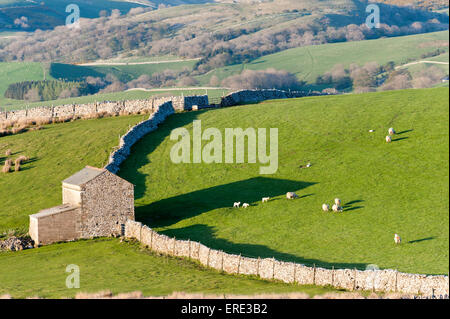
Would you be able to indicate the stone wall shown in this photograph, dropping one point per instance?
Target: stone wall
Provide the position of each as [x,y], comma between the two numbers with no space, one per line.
[136,133]
[255,96]
[180,103]
[107,202]
[271,269]
[55,224]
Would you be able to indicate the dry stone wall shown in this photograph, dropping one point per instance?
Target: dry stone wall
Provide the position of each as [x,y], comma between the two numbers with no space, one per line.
[180,103]
[255,96]
[271,269]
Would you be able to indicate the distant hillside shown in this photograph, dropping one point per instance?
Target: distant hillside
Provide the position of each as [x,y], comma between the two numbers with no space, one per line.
[219,33]
[311,61]
[48,14]
[426,4]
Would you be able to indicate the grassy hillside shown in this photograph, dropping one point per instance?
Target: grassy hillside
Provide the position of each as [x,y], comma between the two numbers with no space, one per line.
[12,72]
[310,61]
[400,187]
[106,264]
[124,73]
[56,152]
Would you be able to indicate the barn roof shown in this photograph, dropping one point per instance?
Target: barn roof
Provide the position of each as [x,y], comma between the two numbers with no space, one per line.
[84,176]
[54,210]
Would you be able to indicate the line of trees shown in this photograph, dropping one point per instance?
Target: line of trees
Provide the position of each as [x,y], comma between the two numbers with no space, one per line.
[374,77]
[47,90]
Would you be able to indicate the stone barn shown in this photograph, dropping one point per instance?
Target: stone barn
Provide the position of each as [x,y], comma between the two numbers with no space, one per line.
[95,203]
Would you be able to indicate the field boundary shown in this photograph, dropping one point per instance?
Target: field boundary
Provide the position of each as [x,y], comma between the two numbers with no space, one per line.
[386,280]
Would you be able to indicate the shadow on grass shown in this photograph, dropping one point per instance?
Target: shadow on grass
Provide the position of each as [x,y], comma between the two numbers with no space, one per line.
[169,211]
[399,139]
[348,206]
[205,235]
[138,158]
[403,132]
[420,240]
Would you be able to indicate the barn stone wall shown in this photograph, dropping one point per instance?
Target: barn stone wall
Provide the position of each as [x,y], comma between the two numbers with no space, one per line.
[59,226]
[271,269]
[107,202]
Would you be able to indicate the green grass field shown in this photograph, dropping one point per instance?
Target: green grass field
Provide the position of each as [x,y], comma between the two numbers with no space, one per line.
[400,187]
[57,152]
[12,72]
[124,73]
[106,264]
[310,61]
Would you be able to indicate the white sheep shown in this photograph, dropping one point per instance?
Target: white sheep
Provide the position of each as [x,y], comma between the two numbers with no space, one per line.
[388,139]
[326,207]
[337,201]
[265,199]
[291,195]
[391,131]
[236,204]
[397,239]
[337,208]
[245,205]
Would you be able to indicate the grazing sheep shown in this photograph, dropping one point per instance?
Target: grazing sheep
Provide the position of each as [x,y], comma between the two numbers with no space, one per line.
[245,205]
[7,167]
[21,159]
[8,153]
[337,208]
[391,131]
[265,199]
[337,201]
[371,131]
[326,207]
[397,239]
[291,195]
[388,139]
[236,204]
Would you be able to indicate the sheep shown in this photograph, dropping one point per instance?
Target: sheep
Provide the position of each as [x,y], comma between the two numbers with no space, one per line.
[291,195]
[236,204]
[337,208]
[245,205]
[391,131]
[7,167]
[337,201]
[326,207]
[397,239]
[20,159]
[388,139]
[8,152]
[265,199]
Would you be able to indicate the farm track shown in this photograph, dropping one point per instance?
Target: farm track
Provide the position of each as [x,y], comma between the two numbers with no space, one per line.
[418,62]
[136,63]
